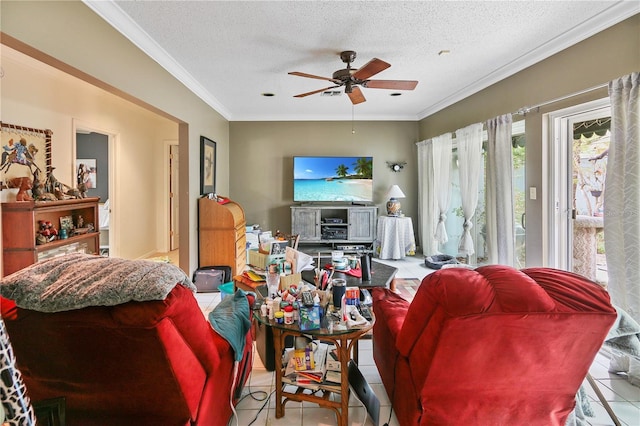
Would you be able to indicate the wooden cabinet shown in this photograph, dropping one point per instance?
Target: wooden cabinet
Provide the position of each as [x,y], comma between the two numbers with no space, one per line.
[221,234]
[20,225]
[306,223]
[334,224]
[362,224]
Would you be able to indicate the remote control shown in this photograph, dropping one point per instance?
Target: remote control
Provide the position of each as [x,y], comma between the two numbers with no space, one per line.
[307,299]
[365,312]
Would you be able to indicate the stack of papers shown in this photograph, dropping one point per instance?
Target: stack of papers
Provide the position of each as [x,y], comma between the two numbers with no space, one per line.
[299,261]
[312,372]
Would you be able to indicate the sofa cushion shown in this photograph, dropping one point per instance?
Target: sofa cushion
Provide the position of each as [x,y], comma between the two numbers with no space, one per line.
[496,288]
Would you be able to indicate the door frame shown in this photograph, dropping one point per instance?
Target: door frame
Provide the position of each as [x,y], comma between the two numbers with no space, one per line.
[166,202]
[557,144]
[112,140]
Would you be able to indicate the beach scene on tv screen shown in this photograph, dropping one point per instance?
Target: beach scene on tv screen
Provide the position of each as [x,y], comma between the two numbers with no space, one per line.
[333,179]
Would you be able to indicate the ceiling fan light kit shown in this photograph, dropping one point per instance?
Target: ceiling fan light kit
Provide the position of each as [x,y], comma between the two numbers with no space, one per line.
[353,78]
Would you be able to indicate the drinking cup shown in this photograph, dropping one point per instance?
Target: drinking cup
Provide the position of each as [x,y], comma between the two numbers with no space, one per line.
[339,288]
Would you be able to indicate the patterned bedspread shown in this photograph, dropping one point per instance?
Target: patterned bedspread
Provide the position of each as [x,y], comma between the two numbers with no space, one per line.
[76,281]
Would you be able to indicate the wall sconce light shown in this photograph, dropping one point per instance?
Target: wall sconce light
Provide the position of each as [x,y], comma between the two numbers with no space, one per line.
[396,166]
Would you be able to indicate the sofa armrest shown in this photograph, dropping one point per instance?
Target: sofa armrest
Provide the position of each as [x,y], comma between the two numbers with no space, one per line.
[390,309]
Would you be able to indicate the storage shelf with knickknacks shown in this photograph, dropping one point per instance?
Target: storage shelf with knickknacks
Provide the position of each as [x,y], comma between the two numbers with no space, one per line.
[21,228]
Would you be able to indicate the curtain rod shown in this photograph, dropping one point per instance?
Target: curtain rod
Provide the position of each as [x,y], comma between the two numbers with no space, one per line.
[525,110]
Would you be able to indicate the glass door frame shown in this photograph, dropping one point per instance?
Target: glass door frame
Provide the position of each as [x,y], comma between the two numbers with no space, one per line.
[557,146]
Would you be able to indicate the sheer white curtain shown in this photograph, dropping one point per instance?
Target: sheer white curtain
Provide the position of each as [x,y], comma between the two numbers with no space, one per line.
[469,141]
[426,199]
[499,206]
[442,182]
[622,196]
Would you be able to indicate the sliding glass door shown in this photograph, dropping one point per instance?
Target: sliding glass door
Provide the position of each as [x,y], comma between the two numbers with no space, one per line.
[578,147]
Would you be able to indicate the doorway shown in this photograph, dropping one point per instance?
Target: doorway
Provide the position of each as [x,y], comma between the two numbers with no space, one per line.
[578,147]
[93,167]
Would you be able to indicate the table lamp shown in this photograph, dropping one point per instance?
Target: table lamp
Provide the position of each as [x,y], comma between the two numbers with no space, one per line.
[393,205]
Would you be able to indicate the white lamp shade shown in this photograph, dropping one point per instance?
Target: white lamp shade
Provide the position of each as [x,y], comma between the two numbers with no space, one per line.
[395,192]
[393,205]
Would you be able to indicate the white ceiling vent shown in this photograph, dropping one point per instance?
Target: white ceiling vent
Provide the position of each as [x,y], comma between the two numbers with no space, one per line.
[331,93]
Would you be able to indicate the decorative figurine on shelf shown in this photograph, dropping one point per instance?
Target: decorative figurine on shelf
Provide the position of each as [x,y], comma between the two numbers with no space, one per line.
[23,184]
[47,231]
[52,184]
[37,189]
[74,192]
[82,187]
[59,190]
[80,222]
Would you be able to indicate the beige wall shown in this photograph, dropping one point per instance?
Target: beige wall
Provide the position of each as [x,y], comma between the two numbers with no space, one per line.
[69,35]
[37,95]
[607,55]
[262,162]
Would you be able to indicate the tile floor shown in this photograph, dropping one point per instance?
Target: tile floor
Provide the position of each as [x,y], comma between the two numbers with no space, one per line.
[254,409]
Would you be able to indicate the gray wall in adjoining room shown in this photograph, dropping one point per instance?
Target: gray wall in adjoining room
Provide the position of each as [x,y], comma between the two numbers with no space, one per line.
[95,145]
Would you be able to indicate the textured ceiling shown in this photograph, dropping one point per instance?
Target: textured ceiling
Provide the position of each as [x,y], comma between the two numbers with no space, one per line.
[230,52]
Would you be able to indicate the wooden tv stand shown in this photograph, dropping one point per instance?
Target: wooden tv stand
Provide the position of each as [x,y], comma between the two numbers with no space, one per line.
[334,224]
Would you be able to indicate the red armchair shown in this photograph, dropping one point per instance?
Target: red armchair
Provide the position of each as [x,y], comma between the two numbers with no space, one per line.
[137,363]
[491,346]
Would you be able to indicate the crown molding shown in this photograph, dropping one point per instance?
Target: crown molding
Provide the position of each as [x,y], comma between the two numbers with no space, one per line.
[613,15]
[118,19]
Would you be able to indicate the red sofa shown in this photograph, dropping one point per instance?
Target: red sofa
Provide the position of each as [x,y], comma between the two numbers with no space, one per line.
[491,346]
[137,363]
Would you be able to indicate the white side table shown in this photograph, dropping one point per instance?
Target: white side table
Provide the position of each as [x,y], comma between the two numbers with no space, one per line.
[395,238]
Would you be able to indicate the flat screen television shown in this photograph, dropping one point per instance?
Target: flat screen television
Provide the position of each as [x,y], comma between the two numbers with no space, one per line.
[320,179]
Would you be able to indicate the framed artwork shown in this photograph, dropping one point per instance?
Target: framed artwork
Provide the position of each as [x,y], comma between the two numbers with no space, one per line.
[87,172]
[207,166]
[66,222]
[25,152]
[278,247]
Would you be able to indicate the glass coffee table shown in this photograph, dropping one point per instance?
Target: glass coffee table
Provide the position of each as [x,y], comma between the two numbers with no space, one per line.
[381,276]
[346,343]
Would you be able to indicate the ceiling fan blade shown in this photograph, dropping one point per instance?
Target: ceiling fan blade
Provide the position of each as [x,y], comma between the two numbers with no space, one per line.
[371,68]
[301,74]
[356,96]
[302,95]
[391,84]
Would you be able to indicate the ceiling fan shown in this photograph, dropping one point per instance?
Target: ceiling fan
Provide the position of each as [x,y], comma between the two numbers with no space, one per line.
[352,78]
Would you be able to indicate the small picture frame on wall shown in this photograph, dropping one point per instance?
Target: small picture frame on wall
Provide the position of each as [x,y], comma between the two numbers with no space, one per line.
[207,166]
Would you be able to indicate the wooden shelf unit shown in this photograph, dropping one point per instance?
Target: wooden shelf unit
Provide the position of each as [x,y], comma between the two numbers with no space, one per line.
[20,225]
[222,235]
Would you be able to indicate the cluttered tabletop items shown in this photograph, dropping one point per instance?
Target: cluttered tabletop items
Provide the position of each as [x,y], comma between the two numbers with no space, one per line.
[274,272]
